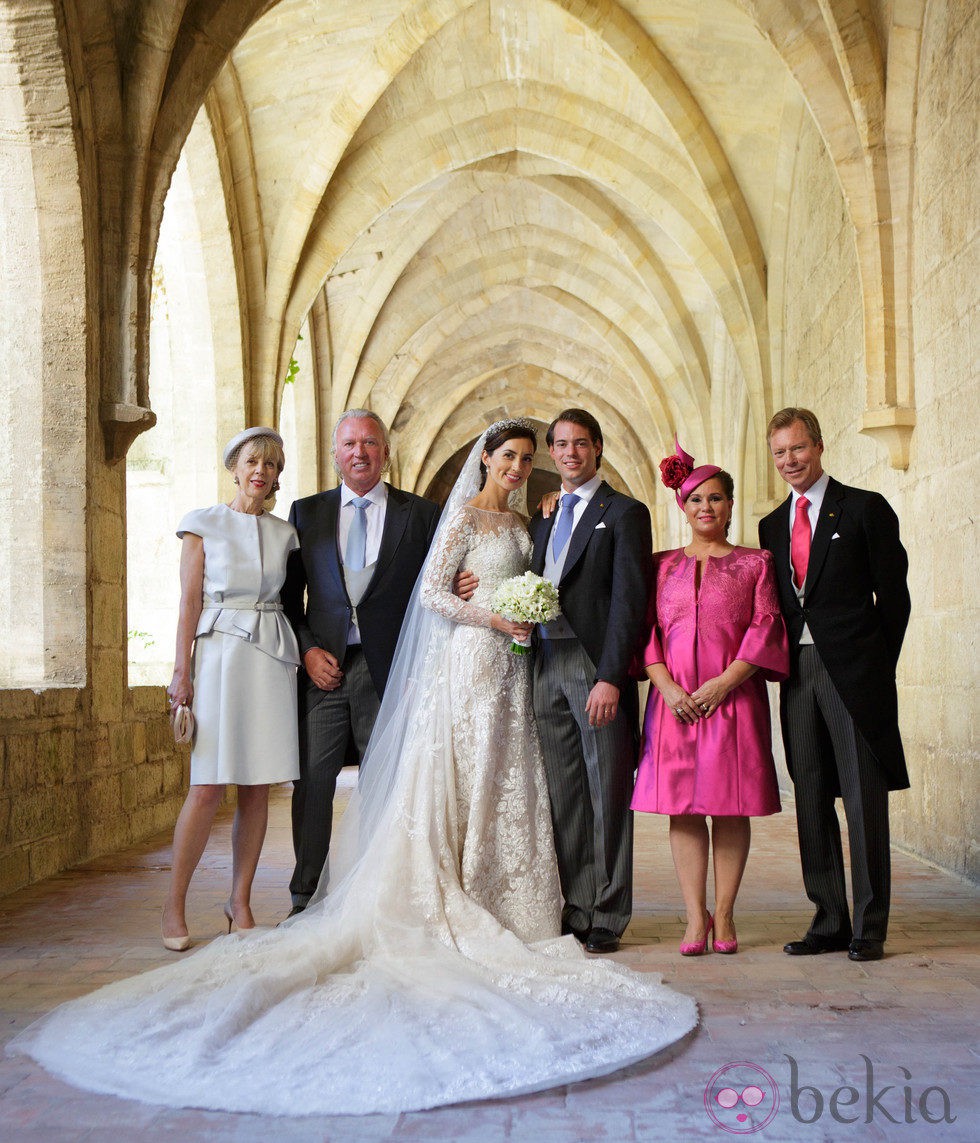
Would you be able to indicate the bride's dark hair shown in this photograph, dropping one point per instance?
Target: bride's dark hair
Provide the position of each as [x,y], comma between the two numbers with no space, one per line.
[502,431]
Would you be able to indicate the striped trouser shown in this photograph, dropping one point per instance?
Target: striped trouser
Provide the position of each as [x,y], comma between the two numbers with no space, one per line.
[828,756]
[590,782]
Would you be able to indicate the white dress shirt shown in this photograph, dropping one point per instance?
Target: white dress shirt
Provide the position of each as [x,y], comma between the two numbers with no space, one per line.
[374,514]
[814,494]
[584,492]
[559,628]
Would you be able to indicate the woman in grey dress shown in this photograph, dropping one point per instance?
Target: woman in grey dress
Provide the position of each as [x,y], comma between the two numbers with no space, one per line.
[236,662]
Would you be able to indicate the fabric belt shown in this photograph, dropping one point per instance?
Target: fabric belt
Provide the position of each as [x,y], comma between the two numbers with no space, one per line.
[250,607]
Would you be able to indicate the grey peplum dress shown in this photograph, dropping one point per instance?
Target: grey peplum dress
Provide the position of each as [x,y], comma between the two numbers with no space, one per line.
[245,651]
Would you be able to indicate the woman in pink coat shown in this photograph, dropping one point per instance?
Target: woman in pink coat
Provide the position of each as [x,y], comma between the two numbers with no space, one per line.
[717,636]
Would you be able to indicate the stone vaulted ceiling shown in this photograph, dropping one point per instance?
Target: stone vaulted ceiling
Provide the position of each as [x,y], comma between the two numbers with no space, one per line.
[510,204]
[487,206]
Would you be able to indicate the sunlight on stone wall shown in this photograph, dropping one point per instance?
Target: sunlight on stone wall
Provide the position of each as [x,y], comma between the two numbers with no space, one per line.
[940,667]
[297,426]
[170,469]
[43,601]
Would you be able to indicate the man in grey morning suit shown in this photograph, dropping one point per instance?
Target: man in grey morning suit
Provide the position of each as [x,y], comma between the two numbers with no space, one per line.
[841,570]
[362,546]
[597,547]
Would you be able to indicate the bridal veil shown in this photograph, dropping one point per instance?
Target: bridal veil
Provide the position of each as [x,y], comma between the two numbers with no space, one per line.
[394,990]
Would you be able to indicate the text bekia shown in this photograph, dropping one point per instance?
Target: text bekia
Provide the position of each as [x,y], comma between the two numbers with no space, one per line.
[846,1104]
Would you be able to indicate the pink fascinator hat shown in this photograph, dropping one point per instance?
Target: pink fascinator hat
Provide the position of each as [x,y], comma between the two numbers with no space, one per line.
[680,473]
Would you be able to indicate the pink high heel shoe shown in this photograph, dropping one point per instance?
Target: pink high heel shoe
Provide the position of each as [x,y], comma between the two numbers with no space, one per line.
[698,948]
[725,946]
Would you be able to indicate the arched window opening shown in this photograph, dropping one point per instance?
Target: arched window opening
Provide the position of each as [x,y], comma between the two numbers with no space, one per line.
[298,426]
[42,384]
[196,391]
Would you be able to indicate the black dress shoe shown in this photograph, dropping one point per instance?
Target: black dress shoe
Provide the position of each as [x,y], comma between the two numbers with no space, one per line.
[863,949]
[602,941]
[812,945]
[581,935]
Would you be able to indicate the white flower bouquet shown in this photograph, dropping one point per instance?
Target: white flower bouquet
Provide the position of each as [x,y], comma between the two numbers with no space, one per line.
[526,598]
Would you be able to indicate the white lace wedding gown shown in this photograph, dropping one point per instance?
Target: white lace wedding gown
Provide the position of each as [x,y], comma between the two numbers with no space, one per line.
[432,973]
[502,814]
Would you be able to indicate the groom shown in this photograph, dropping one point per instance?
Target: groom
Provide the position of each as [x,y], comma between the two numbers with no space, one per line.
[597,548]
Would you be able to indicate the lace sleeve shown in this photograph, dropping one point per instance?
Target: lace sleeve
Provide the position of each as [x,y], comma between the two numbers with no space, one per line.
[764,643]
[448,556]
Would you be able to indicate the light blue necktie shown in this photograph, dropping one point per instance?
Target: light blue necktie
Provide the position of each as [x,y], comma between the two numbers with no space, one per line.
[356,552]
[563,525]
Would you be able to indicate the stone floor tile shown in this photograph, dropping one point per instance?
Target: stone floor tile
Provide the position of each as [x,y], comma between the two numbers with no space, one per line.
[918,1008]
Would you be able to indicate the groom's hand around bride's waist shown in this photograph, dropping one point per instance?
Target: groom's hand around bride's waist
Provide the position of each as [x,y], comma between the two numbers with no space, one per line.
[465,584]
[323,669]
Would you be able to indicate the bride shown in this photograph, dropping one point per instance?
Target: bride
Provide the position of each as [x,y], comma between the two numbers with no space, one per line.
[429,970]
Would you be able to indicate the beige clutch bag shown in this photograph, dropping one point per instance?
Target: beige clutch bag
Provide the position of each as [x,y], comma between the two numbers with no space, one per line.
[184,725]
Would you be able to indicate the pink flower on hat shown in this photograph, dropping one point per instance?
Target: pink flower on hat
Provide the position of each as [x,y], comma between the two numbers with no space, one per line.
[674,471]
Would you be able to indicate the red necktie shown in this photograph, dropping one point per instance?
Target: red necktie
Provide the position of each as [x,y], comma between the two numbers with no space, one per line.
[799,545]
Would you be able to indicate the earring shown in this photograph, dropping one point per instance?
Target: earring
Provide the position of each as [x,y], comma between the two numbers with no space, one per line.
[275,487]
[236,479]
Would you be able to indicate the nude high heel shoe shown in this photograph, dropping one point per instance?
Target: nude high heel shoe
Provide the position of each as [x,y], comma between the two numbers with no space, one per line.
[230,918]
[174,944]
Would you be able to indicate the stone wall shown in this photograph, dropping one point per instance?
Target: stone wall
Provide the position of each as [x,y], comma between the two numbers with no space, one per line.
[939,672]
[824,369]
[88,765]
[74,786]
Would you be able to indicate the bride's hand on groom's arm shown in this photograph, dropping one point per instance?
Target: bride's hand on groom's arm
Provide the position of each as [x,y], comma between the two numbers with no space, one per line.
[323,669]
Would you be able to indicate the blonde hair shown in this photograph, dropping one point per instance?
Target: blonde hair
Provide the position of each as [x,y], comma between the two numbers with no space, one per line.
[268,448]
[790,415]
[357,415]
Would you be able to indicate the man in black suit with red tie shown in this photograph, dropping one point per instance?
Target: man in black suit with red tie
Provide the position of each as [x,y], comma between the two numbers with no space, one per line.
[841,570]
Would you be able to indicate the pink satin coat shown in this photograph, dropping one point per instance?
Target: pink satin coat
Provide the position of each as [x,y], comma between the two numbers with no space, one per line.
[723,764]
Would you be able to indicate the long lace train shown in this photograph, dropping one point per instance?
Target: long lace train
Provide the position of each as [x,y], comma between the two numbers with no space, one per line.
[399,988]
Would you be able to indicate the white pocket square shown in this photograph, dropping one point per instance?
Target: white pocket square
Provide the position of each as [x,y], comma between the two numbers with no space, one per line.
[599,525]
[835,536]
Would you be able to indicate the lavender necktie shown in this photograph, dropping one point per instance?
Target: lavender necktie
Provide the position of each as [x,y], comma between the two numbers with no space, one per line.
[356,552]
[563,525]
